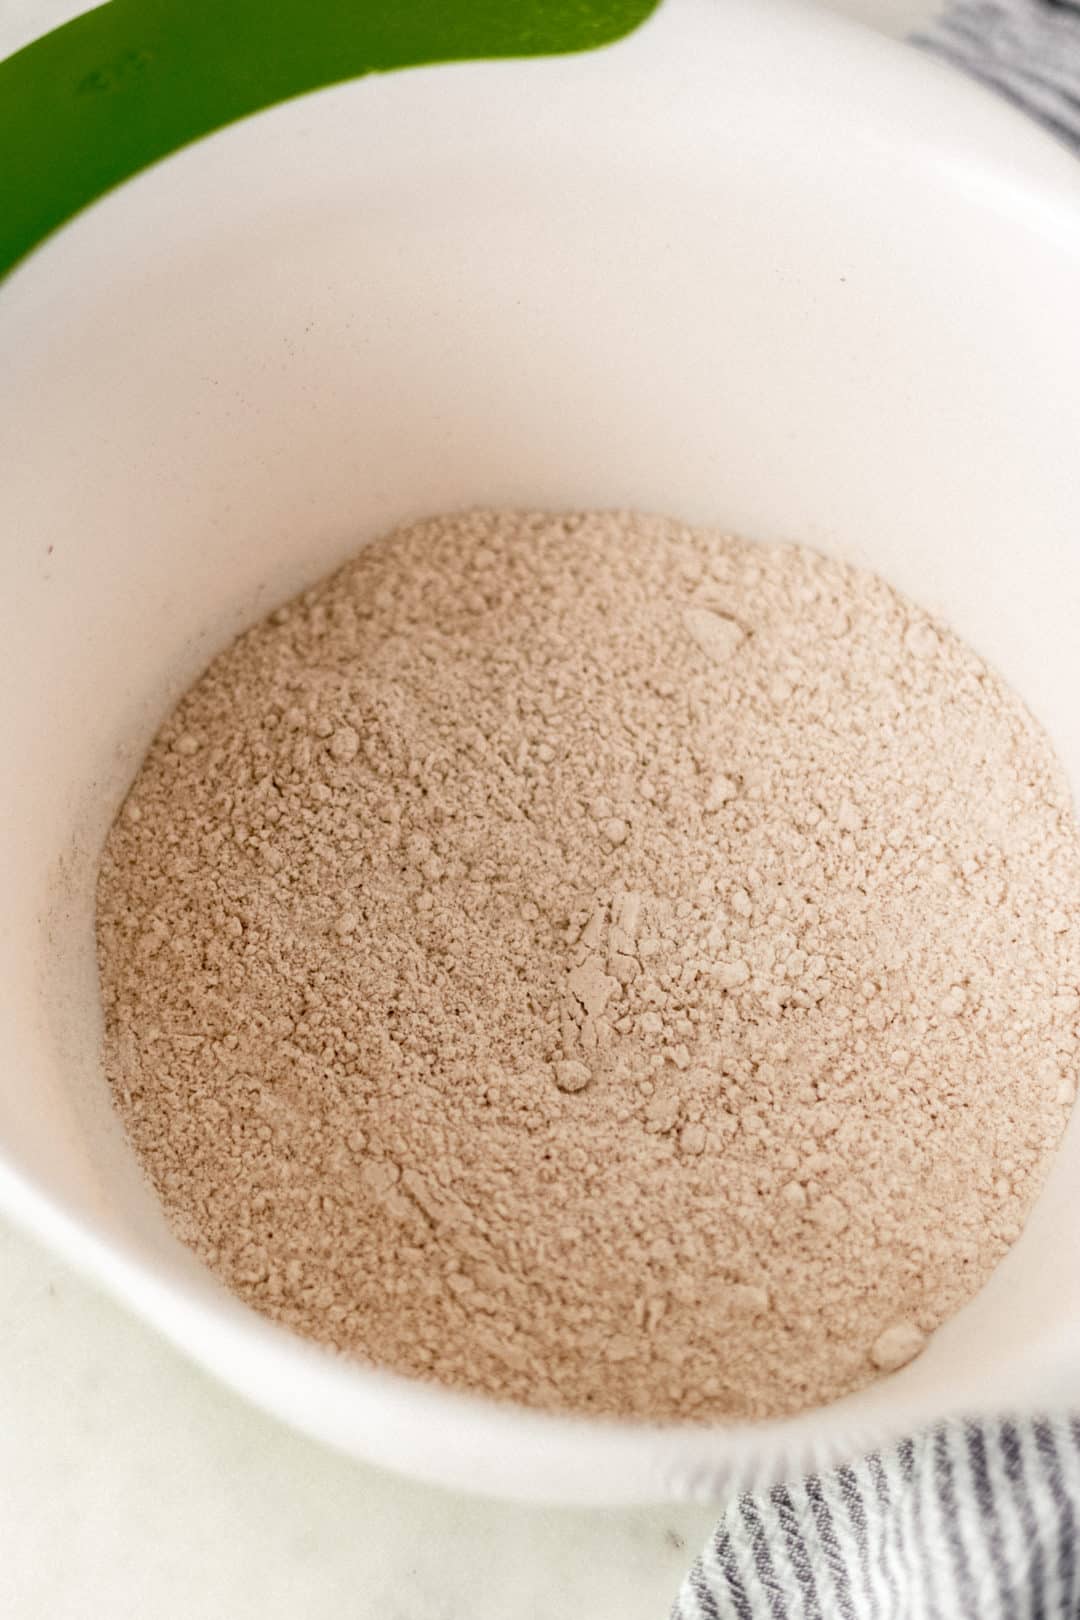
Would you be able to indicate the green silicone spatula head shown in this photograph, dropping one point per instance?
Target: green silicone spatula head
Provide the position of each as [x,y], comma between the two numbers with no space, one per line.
[91,104]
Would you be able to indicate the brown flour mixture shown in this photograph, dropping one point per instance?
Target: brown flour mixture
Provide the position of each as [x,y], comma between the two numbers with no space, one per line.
[597,962]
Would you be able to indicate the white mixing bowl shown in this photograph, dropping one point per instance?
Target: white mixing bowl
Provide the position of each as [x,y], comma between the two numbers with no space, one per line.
[749,266]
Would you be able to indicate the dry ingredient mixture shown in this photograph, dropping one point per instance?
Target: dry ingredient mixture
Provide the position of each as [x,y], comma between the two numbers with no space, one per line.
[597,962]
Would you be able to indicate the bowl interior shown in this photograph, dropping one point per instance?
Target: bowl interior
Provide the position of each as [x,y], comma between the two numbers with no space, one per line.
[679,275]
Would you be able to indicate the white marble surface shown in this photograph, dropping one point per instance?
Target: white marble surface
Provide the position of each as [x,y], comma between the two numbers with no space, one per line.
[133,1488]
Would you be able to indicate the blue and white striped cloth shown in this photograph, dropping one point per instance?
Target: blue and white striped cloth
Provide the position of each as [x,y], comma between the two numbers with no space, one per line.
[967,1521]
[1029,50]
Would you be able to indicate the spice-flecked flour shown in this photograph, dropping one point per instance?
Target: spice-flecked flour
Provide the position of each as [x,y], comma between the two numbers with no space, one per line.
[597,962]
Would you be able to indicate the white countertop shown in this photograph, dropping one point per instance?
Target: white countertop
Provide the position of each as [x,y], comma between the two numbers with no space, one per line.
[134,1488]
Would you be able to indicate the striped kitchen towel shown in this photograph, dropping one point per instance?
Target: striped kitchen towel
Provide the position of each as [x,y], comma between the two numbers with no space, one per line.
[966,1522]
[1029,50]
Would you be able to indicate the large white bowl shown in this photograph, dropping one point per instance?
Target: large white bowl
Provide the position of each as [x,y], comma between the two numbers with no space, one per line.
[750,266]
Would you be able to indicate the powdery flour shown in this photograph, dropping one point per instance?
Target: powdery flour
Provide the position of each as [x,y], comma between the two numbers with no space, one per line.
[597,962]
